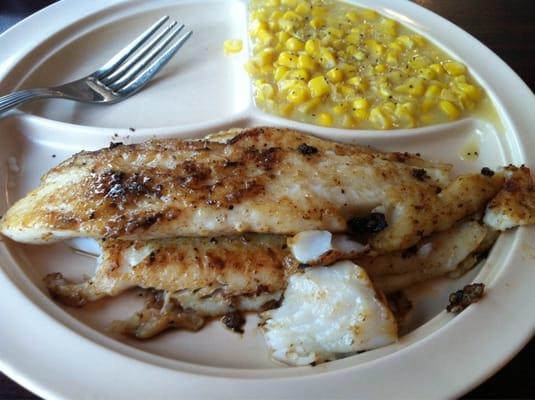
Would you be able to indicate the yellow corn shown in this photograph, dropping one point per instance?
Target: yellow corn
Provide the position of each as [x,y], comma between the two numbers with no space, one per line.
[335,75]
[264,36]
[312,46]
[282,37]
[297,94]
[294,44]
[339,109]
[309,105]
[288,59]
[317,22]
[325,119]
[448,108]
[265,57]
[299,74]
[454,68]
[360,114]
[232,46]
[470,90]
[303,8]
[280,73]
[318,86]
[379,119]
[345,66]
[306,62]
[360,104]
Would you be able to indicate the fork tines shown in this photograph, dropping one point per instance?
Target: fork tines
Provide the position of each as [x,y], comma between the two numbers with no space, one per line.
[139,61]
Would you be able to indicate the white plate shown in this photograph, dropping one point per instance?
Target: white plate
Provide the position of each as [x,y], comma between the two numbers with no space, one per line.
[66,353]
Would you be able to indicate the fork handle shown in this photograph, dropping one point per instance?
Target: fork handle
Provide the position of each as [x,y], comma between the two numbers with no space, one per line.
[12,100]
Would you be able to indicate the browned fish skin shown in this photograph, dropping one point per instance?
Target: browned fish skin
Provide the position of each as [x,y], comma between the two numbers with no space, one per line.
[258,181]
[232,266]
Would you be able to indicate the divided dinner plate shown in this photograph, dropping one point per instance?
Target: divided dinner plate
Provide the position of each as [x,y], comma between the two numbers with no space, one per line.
[69,353]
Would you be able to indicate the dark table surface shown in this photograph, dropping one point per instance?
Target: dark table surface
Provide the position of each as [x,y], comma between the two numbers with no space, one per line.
[505,26]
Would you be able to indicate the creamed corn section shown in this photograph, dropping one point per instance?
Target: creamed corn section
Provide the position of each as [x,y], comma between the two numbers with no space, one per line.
[334,64]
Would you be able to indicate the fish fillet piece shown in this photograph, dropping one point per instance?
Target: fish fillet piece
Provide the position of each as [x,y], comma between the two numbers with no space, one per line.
[226,266]
[328,312]
[263,180]
[514,205]
[459,247]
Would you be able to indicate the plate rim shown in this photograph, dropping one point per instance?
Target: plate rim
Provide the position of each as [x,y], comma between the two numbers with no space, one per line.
[70,6]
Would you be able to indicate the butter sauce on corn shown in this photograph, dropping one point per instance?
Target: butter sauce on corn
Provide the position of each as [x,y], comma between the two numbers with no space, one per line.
[334,64]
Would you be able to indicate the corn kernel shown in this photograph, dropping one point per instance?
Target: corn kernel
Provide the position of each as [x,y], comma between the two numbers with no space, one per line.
[418,62]
[283,36]
[427,104]
[266,70]
[360,104]
[326,58]
[392,58]
[303,8]
[437,68]
[379,119]
[405,41]
[446,94]
[317,22]
[358,83]
[273,22]
[318,86]
[339,109]
[325,119]
[335,75]
[297,94]
[370,15]
[448,108]
[352,16]
[265,57]
[347,91]
[428,74]
[470,90]
[256,25]
[433,91]
[454,68]
[280,73]
[299,74]
[390,27]
[294,44]
[319,11]
[360,114]
[352,38]
[288,59]
[264,36]
[359,55]
[312,46]
[286,109]
[306,62]
[374,47]
[309,105]
[251,68]
[267,90]
[379,68]
[232,46]
[290,3]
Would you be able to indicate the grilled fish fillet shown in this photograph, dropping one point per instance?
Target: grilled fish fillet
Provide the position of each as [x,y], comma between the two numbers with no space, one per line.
[192,279]
[442,253]
[230,266]
[514,205]
[263,180]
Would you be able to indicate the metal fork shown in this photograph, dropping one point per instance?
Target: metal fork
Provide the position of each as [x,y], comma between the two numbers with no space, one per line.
[122,76]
